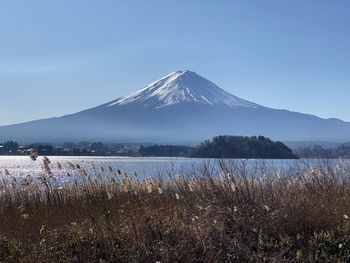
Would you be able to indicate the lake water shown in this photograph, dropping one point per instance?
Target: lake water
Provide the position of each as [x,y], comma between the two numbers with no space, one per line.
[20,166]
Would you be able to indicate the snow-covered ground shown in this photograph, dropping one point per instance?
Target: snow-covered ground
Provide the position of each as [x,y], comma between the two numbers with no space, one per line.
[183,86]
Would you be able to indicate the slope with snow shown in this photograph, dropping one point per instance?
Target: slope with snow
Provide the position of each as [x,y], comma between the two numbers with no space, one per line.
[179,87]
[179,108]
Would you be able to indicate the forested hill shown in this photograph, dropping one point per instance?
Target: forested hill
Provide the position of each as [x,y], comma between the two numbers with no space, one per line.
[243,147]
[225,147]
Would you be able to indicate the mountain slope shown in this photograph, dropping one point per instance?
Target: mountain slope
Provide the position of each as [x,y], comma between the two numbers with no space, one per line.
[179,87]
[182,107]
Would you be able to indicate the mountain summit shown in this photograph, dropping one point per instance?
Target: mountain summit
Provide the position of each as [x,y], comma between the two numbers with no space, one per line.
[181,107]
[182,87]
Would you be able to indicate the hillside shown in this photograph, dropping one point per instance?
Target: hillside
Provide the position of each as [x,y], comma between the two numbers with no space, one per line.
[243,147]
[180,108]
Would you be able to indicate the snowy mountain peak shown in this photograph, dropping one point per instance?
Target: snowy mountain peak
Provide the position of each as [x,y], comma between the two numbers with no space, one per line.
[181,87]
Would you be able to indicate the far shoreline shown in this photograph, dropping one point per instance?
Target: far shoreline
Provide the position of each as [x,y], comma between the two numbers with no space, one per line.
[174,157]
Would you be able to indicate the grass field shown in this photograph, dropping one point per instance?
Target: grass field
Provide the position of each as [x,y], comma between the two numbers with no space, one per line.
[244,215]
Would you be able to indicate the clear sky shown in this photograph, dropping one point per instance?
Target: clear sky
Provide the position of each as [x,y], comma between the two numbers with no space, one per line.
[59,57]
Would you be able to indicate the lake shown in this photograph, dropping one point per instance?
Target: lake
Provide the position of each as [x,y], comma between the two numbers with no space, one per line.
[20,166]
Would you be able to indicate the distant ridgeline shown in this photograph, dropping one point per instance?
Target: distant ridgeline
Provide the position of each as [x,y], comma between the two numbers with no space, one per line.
[225,147]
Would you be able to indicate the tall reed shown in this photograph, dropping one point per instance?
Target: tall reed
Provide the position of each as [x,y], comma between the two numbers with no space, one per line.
[241,214]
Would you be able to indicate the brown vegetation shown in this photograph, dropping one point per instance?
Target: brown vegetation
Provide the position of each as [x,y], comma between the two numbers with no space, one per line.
[240,216]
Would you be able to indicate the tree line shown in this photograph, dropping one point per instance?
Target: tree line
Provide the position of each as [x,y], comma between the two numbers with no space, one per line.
[225,147]
[219,147]
[69,149]
[341,151]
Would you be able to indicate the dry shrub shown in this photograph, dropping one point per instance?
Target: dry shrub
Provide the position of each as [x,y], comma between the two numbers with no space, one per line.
[244,214]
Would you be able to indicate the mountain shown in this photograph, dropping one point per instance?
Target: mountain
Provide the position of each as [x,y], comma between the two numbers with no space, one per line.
[181,107]
[182,87]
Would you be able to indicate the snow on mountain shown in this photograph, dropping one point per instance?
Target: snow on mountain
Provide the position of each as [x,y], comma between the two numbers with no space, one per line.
[180,87]
[180,108]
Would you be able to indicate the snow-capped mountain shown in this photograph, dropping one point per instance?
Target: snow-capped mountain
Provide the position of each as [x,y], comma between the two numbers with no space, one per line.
[181,107]
[179,87]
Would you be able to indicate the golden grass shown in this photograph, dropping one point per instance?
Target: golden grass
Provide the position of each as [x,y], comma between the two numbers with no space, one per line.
[240,216]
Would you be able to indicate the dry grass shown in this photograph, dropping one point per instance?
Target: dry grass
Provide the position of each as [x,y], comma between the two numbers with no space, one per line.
[243,215]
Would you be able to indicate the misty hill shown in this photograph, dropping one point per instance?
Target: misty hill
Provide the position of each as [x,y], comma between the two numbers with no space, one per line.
[243,147]
[181,107]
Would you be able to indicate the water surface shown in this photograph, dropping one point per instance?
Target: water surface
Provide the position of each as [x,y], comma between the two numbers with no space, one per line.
[20,166]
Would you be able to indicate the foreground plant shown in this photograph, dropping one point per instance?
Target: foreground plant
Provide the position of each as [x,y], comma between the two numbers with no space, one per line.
[242,215]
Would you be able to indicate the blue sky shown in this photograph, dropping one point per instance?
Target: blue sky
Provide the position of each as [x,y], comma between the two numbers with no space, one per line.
[59,57]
